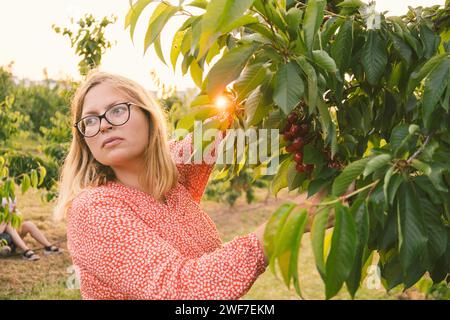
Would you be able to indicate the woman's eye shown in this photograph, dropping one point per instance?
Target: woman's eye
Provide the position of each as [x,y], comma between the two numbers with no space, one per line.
[90,122]
[119,110]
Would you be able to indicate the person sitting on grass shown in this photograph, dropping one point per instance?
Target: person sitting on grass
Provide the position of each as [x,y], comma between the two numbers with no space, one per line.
[6,245]
[27,227]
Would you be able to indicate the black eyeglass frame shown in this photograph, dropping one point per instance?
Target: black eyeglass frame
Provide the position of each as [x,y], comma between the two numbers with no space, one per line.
[103,115]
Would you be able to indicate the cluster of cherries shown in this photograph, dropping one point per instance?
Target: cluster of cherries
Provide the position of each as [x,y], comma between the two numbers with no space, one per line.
[295,134]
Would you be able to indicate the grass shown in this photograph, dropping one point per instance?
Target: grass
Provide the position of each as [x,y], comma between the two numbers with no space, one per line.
[48,277]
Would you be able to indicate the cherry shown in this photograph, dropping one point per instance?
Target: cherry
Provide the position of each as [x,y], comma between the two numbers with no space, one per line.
[298,143]
[298,157]
[287,127]
[300,167]
[287,136]
[304,128]
[291,148]
[292,117]
[295,130]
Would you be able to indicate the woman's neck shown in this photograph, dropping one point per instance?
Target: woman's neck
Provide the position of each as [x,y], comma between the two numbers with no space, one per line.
[129,175]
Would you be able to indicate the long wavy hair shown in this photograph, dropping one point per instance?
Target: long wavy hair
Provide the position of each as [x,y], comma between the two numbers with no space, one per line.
[81,170]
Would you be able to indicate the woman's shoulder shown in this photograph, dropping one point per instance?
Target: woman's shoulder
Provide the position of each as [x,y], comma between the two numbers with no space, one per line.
[99,196]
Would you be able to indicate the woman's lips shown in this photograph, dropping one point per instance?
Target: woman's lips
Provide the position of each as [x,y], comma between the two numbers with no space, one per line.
[112,142]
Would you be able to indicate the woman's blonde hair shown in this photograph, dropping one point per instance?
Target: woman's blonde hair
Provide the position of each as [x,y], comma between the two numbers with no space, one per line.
[81,170]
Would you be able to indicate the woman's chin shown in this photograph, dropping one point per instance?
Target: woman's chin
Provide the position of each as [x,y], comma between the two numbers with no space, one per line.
[117,158]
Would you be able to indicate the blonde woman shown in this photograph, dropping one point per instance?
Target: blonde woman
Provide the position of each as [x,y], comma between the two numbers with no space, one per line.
[135,229]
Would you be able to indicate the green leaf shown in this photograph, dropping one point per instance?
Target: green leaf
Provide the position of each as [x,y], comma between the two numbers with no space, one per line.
[399,138]
[411,233]
[26,183]
[295,179]
[435,85]
[34,179]
[311,76]
[436,177]
[423,70]
[323,60]
[233,10]
[196,73]
[228,69]
[421,166]
[280,180]
[434,227]
[341,48]
[401,47]
[257,105]
[374,57]
[42,174]
[360,212]
[293,20]
[342,252]
[251,77]
[158,49]
[325,118]
[288,245]
[312,21]
[176,47]
[240,22]
[350,4]
[158,20]
[289,87]
[210,21]
[217,18]
[133,14]
[318,229]
[350,173]
[392,188]
[273,230]
[387,178]
[296,248]
[376,163]
[202,4]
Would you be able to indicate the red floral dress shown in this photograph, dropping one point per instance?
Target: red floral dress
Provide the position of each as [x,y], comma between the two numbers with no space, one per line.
[126,245]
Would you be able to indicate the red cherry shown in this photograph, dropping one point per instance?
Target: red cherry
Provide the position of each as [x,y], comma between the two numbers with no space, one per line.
[298,143]
[292,117]
[295,130]
[304,129]
[298,157]
[309,167]
[287,136]
[287,127]
[291,148]
[300,167]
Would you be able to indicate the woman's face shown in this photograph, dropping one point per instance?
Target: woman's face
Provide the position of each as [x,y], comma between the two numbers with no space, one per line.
[133,135]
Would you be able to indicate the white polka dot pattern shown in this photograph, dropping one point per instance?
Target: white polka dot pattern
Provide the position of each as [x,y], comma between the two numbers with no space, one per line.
[127,245]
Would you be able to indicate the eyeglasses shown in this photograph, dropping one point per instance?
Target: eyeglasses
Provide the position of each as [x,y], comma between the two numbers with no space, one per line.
[117,115]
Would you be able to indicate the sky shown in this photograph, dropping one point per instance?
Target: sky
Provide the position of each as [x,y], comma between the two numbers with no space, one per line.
[27,38]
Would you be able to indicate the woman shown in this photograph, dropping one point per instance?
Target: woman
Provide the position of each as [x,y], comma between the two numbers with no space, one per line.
[135,227]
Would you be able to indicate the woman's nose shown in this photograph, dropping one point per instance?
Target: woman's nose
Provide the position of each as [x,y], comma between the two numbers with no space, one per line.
[104,125]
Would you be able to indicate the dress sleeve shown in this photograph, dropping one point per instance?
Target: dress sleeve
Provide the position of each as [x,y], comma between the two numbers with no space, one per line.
[112,243]
[194,176]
